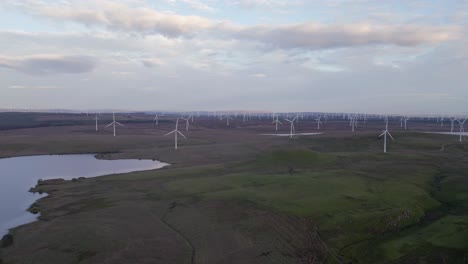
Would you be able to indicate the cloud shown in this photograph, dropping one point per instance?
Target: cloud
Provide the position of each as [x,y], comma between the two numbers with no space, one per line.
[123,17]
[321,36]
[145,20]
[48,64]
[151,63]
[198,5]
[261,3]
[259,75]
[32,87]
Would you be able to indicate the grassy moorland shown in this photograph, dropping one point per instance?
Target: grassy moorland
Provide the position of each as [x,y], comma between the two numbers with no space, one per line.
[233,196]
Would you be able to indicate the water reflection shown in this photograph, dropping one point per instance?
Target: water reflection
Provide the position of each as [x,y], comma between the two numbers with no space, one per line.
[19,174]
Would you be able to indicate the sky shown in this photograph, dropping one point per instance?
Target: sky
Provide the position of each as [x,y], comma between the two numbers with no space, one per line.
[373,56]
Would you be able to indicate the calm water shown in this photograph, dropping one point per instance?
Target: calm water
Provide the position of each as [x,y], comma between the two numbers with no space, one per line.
[18,175]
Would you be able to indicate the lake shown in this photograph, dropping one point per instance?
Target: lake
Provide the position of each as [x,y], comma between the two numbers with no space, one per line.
[19,174]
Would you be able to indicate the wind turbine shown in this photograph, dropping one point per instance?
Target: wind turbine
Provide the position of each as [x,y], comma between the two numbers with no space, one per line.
[293,130]
[96,121]
[156,120]
[190,117]
[405,120]
[319,123]
[176,132]
[114,123]
[462,129]
[452,121]
[227,117]
[186,122]
[385,133]
[277,122]
[352,122]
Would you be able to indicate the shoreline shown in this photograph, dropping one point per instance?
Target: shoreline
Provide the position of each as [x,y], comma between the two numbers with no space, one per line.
[41,185]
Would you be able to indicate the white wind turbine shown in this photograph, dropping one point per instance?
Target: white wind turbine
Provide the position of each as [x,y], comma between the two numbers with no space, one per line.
[156,120]
[319,122]
[462,128]
[385,133]
[277,122]
[190,117]
[405,120]
[96,118]
[452,123]
[227,117]
[176,132]
[187,121]
[293,130]
[114,123]
[352,122]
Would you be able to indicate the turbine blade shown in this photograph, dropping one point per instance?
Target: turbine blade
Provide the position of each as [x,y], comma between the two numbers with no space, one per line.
[390,136]
[119,124]
[110,124]
[181,134]
[173,131]
[382,133]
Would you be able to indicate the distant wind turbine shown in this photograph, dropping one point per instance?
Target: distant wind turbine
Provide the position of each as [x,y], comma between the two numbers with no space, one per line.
[114,123]
[156,120]
[187,121]
[176,132]
[385,133]
[452,123]
[319,122]
[353,122]
[227,117]
[96,118]
[277,122]
[462,129]
[293,130]
[405,120]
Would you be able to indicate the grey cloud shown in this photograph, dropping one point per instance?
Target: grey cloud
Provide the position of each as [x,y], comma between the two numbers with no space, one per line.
[48,64]
[318,36]
[151,63]
[147,21]
[119,16]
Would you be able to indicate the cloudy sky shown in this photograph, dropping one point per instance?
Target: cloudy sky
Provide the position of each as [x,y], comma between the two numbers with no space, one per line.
[381,56]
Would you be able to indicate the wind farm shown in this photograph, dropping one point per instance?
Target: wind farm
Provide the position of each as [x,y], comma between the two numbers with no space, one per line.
[233,132]
[303,159]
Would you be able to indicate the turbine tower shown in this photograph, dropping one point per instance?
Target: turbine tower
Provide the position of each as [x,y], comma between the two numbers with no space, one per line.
[293,130]
[462,129]
[227,117]
[156,120]
[176,132]
[96,121]
[385,133]
[405,120]
[187,120]
[352,122]
[319,122]
[452,123]
[277,122]
[114,123]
